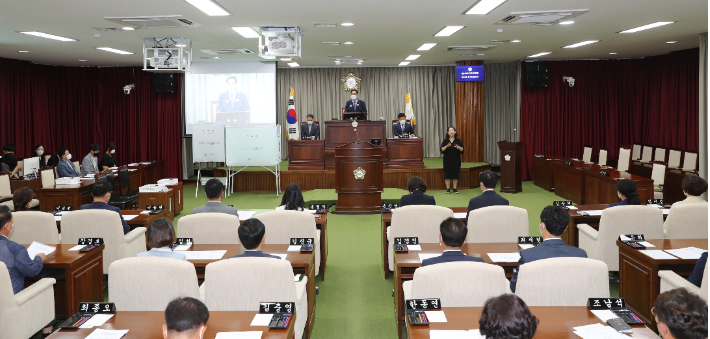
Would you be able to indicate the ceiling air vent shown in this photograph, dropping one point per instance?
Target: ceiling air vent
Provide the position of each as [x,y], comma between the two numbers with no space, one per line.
[469,48]
[163,21]
[331,43]
[326,25]
[107,29]
[227,51]
[500,42]
[540,18]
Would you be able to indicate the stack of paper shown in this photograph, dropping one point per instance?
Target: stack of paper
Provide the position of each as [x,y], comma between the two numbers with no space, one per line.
[203,255]
[37,248]
[504,257]
[598,331]
[106,334]
[688,252]
[96,320]
[129,217]
[604,315]
[461,215]
[261,320]
[424,256]
[244,215]
[294,248]
[414,247]
[453,334]
[240,335]
[436,316]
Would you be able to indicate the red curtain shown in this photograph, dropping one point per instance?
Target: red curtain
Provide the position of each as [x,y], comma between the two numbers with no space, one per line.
[73,107]
[652,101]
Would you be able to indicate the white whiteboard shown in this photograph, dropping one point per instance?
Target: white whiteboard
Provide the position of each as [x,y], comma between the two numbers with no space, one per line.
[208,142]
[253,146]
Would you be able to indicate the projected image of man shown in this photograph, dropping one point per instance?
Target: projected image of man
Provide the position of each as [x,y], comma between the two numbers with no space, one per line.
[232,100]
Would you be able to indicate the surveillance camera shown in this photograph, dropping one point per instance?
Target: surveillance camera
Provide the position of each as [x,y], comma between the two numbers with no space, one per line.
[570,80]
[127,89]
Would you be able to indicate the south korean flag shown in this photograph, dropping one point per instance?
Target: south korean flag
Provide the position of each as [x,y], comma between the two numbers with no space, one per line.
[294,131]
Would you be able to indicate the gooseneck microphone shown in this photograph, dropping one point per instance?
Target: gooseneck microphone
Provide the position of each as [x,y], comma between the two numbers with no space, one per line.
[511,134]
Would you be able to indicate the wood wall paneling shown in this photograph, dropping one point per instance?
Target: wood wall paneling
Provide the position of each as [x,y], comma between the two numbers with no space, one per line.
[470,115]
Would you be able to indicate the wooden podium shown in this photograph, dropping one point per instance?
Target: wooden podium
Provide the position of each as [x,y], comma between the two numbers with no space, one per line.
[511,172]
[358,177]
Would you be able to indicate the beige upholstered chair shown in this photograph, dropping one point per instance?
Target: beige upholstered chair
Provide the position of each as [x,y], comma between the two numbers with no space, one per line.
[458,283]
[587,154]
[674,158]
[497,224]
[420,221]
[25,313]
[34,226]
[660,155]
[637,152]
[658,175]
[562,281]
[624,158]
[47,176]
[671,280]
[690,161]
[281,226]
[5,190]
[209,228]
[601,245]
[77,166]
[240,284]
[103,224]
[150,283]
[602,157]
[646,156]
[687,221]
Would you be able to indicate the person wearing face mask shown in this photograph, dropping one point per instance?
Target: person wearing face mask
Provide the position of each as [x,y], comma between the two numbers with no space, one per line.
[553,222]
[402,128]
[8,163]
[310,130]
[452,237]
[232,100]
[626,190]
[65,168]
[185,318]
[101,191]
[39,152]
[107,159]
[90,164]
[355,104]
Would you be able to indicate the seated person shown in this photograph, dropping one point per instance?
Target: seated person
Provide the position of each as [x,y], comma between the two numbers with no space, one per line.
[507,316]
[452,237]
[697,276]
[39,152]
[10,149]
[626,190]
[102,194]
[8,163]
[23,200]
[680,314]
[416,196]
[553,222]
[107,159]
[159,237]
[185,318]
[693,188]
[402,128]
[90,164]
[214,191]
[310,130]
[65,168]
[251,235]
[488,181]
[292,199]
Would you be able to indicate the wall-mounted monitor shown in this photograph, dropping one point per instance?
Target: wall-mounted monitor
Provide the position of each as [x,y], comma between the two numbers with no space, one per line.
[469,73]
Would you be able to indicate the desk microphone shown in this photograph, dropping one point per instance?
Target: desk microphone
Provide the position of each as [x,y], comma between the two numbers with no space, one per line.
[511,134]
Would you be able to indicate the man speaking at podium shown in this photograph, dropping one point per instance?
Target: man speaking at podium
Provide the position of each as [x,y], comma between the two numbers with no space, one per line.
[355,104]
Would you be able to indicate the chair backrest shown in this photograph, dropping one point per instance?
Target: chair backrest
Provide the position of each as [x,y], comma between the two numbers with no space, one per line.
[150,283]
[687,221]
[34,226]
[47,174]
[624,159]
[419,221]
[281,226]
[77,166]
[602,157]
[660,155]
[5,189]
[7,296]
[96,223]
[564,281]
[637,152]
[658,174]
[46,157]
[125,177]
[587,155]
[634,219]
[209,228]
[228,288]
[704,284]
[674,158]
[690,161]
[460,283]
[647,152]
[497,224]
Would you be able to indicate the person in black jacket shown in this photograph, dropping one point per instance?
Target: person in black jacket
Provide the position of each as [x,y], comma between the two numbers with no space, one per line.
[416,196]
[488,182]
[697,276]
[452,236]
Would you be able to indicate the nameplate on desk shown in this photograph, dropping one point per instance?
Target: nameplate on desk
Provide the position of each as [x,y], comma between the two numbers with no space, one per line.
[183,241]
[317,206]
[530,240]
[631,237]
[562,203]
[154,207]
[569,163]
[407,240]
[62,208]
[604,173]
[389,205]
[605,303]
[540,156]
[301,241]
[423,304]
[91,241]
[659,202]
[97,308]
[276,307]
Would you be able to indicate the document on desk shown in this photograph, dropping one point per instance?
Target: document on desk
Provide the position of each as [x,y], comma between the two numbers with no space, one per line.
[106,334]
[424,256]
[687,252]
[282,256]
[598,331]
[76,248]
[414,247]
[666,211]
[182,247]
[436,316]
[646,244]
[455,334]
[261,320]
[129,217]
[526,246]
[604,315]
[244,215]
[294,248]
[461,215]
[57,218]
[312,211]
[657,254]
[37,248]
[594,213]
[203,255]
[570,207]
[96,320]
[504,257]
[240,335]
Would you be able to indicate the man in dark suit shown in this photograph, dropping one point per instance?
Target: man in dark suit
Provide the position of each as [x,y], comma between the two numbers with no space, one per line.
[452,236]
[251,234]
[697,276]
[416,196]
[355,104]
[102,193]
[488,182]
[553,221]
[402,128]
[214,191]
[231,100]
[310,130]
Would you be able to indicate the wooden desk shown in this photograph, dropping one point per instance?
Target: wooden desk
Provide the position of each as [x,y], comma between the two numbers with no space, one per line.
[151,173]
[641,169]
[542,172]
[149,325]
[571,234]
[672,185]
[639,283]
[166,199]
[306,155]
[405,264]
[555,322]
[600,189]
[178,202]
[302,263]
[80,277]
[142,220]
[405,153]
[33,184]
[338,133]
[65,195]
[569,180]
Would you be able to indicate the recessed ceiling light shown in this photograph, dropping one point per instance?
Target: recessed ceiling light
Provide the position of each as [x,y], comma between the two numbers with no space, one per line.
[286,59]
[426,47]
[404,63]
[649,26]
[671,42]
[581,44]
[88,60]
[484,6]
[212,58]
[246,32]
[48,36]
[568,22]
[348,56]
[293,64]
[480,54]
[348,42]
[412,57]
[612,53]
[539,54]
[128,28]
[448,30]
[24,51]
[113,50]
[347,24]
[210,7]
[180,45]
[514,40]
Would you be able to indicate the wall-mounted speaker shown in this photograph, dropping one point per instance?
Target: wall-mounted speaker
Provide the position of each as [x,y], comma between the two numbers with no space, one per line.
[164,83]
[535,74]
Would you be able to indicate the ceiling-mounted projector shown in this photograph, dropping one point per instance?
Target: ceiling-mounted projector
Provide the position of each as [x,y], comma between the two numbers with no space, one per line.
[280,46]
[279,42]
[167,54]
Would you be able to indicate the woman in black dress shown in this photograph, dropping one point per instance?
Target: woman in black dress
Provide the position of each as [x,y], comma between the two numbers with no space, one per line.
[452,147]
[107,160]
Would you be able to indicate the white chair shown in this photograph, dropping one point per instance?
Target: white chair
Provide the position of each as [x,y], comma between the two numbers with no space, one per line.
[602,157]
[48,177]
[281,226]
[497,224]
[209,228]
[420,221]
[637,152]
[562,281]
[34,226]
[690,161]
[601,245]
[77,166]
[671,280]
[660,155]
[103,224]
[624,159]
[240,284]
[674,158]
[587,155]
[458,283]
[647,154]
[658,175]
[150,283]
[5,190]
[46,157]
[687,221]
[25,313]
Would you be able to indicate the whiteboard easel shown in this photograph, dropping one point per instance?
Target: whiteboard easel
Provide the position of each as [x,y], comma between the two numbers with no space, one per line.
[253,146]
[207,146]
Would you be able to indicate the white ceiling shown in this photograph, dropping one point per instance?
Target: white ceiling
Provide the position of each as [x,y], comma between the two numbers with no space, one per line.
[385,31]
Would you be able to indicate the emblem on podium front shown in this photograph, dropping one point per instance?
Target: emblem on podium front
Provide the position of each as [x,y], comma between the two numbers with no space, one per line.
[359,173]
[507,157]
